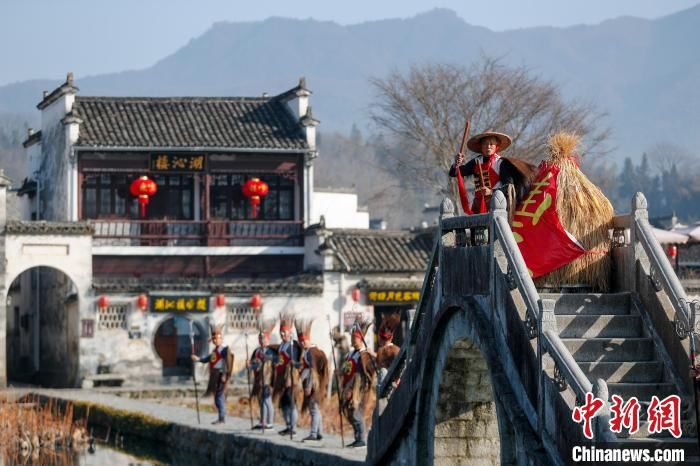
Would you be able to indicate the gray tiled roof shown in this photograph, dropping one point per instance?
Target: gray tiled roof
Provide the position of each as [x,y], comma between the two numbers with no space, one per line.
[381,250]
[302,284]
[182,122]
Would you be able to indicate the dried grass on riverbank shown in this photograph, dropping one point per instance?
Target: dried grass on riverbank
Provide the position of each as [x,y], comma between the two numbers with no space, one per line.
[45,433]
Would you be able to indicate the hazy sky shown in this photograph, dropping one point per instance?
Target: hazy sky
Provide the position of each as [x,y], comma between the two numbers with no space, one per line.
[46,38]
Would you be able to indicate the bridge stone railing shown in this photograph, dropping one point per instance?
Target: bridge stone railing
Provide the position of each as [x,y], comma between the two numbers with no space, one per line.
[658,295]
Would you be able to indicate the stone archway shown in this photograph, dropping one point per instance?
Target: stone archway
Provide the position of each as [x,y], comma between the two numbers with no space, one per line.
[460,420]
[43,328]
[65,247]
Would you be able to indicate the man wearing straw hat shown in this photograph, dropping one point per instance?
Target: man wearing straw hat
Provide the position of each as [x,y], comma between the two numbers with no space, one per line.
[490,171]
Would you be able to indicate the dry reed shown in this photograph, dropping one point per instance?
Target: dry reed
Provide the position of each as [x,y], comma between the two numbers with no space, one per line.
[586,213]
[43,432]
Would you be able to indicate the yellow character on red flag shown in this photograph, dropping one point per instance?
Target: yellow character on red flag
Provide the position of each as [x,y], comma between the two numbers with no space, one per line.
[543,241]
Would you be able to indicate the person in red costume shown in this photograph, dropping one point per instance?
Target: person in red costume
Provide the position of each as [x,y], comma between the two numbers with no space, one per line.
[492,172]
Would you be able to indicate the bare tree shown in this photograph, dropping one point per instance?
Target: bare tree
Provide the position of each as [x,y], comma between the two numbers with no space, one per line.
[426,109]
[665,155]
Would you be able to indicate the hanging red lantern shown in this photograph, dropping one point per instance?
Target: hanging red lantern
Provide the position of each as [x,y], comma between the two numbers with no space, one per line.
[356,294]
[220,300]
[255,189]
[143,187]
[102,302]
[142,302]
[672,251]
[256,301]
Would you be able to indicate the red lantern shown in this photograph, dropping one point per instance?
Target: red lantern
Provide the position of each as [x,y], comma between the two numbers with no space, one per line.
[220,300]
[255,189]
[356,294]
[142,302]
[672,251]
[143,187]
[256,301]
[102,302]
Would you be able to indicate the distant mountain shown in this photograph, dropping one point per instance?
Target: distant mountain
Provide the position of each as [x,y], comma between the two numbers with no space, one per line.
[644,73]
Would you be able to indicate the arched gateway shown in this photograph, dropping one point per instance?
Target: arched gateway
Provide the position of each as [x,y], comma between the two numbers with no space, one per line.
[62,251]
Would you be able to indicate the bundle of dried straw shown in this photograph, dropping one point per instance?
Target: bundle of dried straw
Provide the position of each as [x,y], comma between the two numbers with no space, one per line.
[586,213]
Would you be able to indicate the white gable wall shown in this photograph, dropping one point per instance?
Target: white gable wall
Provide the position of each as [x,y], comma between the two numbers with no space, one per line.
[338,209]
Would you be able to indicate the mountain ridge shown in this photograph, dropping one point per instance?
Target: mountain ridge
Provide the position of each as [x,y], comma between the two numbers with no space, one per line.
[634,69]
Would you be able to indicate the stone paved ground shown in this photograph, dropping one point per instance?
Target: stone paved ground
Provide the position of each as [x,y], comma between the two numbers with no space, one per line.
[234,427]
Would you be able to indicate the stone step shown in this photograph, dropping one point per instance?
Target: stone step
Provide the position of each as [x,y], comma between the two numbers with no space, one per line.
[610,349]
[661,439]
[601,326]
[612,372]
[589,303]
[643,391]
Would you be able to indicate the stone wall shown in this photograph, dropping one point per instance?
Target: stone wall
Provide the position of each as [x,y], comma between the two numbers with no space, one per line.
[466,427]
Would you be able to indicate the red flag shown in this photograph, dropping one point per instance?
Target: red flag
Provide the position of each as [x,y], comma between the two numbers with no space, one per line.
[543,241]
[463,199]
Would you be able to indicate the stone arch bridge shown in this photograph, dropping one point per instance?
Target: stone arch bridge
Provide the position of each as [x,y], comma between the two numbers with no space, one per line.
[494,366]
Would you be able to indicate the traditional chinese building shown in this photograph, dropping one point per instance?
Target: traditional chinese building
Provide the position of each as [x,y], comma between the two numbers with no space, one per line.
[163,187]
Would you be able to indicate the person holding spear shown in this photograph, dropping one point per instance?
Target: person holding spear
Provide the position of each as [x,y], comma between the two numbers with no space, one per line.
[314,378]
[359,371]
[220,368]
[337,380]
[261,362]
[284,387]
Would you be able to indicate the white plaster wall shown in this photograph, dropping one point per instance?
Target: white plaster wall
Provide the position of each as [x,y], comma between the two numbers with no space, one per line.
[33,158]
[138,358]
[52,115]
[338,209]
[56,192]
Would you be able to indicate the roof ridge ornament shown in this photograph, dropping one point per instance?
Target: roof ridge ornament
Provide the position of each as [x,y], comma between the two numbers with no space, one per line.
[308,119]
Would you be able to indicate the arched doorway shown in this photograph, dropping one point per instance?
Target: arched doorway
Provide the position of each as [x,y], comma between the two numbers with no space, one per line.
[173,344]
[43,328]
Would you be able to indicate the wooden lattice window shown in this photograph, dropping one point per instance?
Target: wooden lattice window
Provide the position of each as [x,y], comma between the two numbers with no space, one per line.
[112,317]
[242,318]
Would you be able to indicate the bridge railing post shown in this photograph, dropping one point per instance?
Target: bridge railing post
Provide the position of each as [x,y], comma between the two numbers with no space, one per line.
[638,256]
[499,207]
[447,210]
[547,321]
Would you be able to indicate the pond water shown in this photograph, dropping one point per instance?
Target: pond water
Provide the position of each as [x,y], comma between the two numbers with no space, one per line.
[134,453]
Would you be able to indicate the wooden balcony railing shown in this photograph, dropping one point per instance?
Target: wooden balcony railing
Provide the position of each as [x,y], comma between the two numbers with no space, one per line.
[121,232]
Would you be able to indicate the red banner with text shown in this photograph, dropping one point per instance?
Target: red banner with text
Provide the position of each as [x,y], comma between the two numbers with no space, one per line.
[543,241]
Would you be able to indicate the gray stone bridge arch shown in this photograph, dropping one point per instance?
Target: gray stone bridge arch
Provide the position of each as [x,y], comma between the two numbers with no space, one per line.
[457,410]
